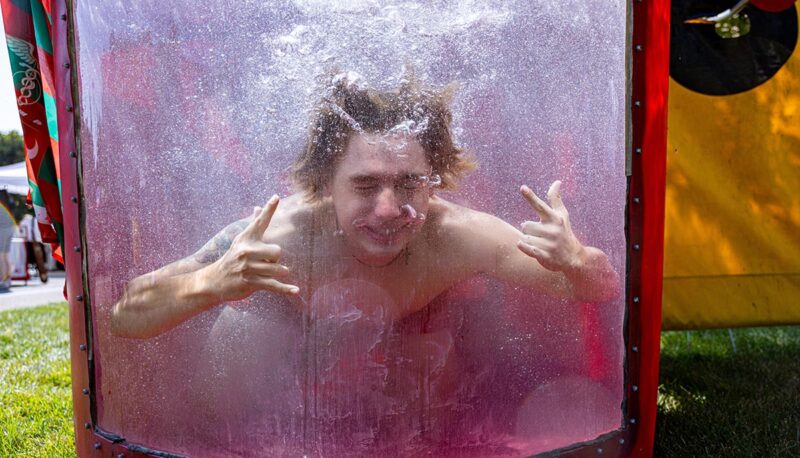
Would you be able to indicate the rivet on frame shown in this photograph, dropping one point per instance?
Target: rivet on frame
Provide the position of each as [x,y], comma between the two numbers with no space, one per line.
[121,455]
[635,349]
[621,441]
[63,17]
[636,200]
[599,451]
[72,153]
[637,103]
[77,249]
[66,64]
[638,47]
[74,199]
[82,347]
[69,108]
[638,150]
[636,246]
[85,391]
[635,388]
[87,425]
[632,421]
[635,299]
[97,445]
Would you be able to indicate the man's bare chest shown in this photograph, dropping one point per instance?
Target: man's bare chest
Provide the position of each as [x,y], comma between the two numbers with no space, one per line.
[339,284]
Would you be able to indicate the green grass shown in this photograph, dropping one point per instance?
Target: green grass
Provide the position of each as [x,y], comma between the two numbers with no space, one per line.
[36,414]
[713,401]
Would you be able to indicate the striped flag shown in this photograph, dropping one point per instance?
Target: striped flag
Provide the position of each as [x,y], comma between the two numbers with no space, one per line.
[28,25]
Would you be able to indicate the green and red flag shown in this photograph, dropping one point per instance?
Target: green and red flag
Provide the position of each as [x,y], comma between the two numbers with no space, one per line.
[28,24]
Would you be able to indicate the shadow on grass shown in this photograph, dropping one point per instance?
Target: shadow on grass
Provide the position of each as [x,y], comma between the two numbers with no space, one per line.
[714,401]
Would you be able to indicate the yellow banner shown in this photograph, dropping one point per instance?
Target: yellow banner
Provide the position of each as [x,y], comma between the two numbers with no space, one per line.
[732,235]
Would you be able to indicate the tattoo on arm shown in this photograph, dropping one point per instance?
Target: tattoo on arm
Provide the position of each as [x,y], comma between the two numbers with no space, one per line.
[218,245]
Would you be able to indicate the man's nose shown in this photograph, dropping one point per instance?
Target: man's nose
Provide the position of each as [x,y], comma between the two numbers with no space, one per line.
[387,205]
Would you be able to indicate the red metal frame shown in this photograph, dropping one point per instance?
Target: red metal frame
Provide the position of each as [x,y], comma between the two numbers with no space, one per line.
[80,346]
[650,70]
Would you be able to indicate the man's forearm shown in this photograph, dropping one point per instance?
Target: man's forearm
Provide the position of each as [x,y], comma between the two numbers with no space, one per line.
[153,304]
[593,279]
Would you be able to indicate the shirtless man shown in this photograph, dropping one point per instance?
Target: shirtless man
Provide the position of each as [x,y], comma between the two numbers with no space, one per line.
[368,212]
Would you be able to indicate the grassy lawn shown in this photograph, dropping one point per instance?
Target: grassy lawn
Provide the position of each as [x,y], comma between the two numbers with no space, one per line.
[36,414]
[713,401]
[716,402]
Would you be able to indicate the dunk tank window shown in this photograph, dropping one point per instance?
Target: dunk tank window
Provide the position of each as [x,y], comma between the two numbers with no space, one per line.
[427,318]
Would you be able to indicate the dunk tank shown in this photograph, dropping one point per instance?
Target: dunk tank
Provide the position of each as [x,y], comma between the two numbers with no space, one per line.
[175,120]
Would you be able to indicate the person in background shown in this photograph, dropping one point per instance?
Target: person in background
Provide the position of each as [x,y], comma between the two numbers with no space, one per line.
[7,227]
[29,231]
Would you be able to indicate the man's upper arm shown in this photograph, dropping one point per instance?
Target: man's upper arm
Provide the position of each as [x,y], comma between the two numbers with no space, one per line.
[207,254]
[492,244]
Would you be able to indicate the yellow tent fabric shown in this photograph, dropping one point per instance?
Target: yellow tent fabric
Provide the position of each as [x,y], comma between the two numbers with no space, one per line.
[732,231]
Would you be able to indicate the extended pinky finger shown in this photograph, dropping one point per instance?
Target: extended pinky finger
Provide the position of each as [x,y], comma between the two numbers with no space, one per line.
[270,284]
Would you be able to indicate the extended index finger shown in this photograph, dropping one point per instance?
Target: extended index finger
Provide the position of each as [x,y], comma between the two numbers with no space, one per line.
[261,221]
[554,195]
[539,206]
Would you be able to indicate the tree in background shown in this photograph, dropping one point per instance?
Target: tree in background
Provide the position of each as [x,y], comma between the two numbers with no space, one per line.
[12,149]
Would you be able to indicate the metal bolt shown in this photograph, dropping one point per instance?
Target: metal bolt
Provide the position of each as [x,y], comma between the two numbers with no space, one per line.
[121,455]
[635,349]
[63,17]
[87,425]
[632,421]
[599,451]
[636,200]
[72,154]
[638,47]
[66,64]
[69,108]
[638,150]
[636,246]
[77,249]
[97,445]
[79,298]
[635,299]
[82,347]
[85,391]
[74,199]
[635,388]
[621,441]
[637,103]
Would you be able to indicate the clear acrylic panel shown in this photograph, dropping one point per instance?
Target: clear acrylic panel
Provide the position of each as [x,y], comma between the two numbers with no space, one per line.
[405,338]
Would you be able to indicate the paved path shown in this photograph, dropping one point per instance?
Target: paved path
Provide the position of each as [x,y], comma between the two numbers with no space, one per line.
[34,293]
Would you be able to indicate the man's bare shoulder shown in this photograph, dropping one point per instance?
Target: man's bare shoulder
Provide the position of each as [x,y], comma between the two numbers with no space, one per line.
[451,223]
[446,215]
[292,213]
[295,216]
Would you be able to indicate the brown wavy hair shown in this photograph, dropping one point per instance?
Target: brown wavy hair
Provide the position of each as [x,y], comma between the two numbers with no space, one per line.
[348,108]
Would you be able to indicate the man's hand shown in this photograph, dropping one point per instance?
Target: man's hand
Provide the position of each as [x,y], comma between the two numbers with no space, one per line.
[550,241]
[250,264]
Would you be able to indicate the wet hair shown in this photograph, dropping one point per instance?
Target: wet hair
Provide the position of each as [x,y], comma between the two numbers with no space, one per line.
[347,109]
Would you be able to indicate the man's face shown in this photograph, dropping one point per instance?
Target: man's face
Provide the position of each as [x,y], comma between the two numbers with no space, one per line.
[380,191]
